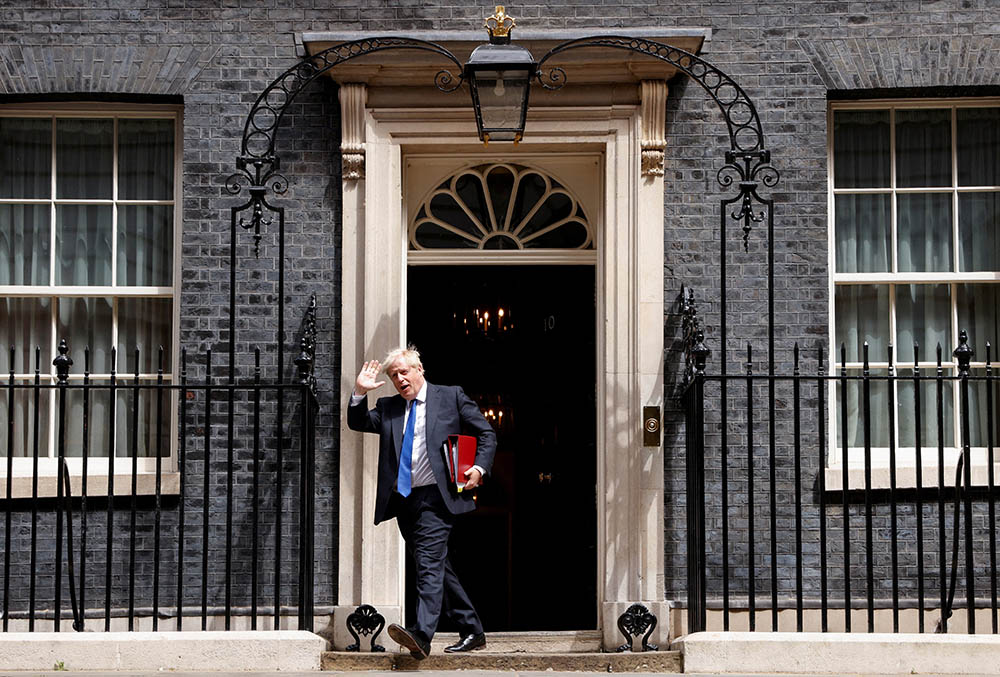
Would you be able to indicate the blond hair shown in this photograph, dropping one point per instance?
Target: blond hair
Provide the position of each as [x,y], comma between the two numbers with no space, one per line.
[409,355]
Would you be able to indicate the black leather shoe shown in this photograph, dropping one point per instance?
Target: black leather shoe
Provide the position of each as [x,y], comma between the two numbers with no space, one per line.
[467,643]
[409,640]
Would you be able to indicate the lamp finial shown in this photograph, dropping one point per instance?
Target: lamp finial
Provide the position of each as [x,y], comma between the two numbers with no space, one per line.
[499,25]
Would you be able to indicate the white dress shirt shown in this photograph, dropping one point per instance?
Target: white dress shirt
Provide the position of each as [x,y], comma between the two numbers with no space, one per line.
[421,473]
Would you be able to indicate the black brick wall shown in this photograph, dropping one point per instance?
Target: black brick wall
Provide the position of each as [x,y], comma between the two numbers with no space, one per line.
[788,56]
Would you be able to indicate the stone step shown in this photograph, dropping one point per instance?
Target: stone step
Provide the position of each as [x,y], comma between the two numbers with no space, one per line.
[650,661]
[541,641]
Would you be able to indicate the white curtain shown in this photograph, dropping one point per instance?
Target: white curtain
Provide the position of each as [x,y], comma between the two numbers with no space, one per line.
[84,170]
[923,318]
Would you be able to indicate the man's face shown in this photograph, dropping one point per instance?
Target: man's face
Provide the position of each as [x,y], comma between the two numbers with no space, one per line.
[407,380]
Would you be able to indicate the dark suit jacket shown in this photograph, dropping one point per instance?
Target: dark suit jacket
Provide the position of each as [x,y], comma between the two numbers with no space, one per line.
[449,411]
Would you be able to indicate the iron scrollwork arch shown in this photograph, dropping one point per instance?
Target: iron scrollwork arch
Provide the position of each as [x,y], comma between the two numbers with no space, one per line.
[747,160]
[258,165]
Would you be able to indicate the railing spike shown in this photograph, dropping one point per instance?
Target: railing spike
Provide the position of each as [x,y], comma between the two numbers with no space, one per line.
[963,353]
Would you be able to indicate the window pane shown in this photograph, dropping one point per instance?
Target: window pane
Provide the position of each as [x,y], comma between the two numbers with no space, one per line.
[84,158]
[25,324]
[87,419]
[923,148]
[862,315]
[979,314]
[924,232]
[500,181]
[23,440]
[83,244]
[928,413]
[432,236]
[530,190]
[145,159]
[143,323]
[978,146]
[979,231]
[25,158]
[145,245]
[862,232]
[923,316]
[556,207]
[470,191]
[570,235]
[24,244]
[86,323]
[979,418]
[861,149]
[878,402]
[446,209]
[139,431]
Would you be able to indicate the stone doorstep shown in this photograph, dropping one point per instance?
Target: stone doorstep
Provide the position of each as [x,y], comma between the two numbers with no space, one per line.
[552,641]
[542,641]
[650,661]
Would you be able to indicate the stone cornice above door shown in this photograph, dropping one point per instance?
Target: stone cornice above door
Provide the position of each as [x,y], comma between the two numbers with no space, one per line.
[595,76]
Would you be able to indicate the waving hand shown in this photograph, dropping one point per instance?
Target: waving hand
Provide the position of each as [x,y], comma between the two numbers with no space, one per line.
[366,378]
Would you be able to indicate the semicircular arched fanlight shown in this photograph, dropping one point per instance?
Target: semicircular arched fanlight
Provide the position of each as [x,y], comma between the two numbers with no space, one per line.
[501,206]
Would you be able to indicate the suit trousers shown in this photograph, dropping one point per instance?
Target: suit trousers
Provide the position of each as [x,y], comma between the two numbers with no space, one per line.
[425,523]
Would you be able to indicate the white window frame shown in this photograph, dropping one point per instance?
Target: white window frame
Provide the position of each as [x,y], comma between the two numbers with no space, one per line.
[905,456]
[98,467]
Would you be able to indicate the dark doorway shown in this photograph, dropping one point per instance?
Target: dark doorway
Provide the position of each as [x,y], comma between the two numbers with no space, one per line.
[521,341]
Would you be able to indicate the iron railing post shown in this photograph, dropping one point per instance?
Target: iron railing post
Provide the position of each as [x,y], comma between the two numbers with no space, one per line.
[964,353]
[62,363]
[304,363]
[695,415]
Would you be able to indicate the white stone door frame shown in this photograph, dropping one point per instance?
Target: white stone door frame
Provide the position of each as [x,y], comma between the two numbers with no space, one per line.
[629,335]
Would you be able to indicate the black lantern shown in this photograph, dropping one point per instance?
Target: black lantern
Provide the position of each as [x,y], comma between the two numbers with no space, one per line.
[499,75]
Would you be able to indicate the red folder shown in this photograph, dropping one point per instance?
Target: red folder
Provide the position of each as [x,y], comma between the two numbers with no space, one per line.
[460,455]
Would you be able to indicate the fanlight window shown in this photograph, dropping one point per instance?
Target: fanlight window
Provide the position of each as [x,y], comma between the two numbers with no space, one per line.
[501,206]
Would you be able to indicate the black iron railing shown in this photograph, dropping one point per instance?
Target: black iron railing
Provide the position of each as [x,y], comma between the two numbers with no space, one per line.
[767,532]
[216,546]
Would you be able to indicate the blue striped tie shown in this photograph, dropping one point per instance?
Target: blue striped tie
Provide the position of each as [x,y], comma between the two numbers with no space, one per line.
[406,454]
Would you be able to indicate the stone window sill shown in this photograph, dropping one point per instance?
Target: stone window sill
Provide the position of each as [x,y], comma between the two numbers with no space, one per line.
[97,485]
[906,476]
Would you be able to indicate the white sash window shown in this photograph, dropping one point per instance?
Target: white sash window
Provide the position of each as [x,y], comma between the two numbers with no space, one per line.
[915,247]
[88,232]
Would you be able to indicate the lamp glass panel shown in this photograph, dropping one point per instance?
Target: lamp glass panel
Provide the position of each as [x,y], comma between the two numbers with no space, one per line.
[501,100]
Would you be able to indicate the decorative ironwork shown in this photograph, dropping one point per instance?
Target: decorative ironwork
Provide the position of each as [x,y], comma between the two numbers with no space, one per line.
[62,363]
[636,620]
[740,114]
[695,351]
[258,164]
[365,620]
[264,175]
[746,136]
[306,361]
[755,169]
[963,353]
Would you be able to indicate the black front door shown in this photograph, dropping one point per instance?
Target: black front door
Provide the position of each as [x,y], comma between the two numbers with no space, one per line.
[521,341]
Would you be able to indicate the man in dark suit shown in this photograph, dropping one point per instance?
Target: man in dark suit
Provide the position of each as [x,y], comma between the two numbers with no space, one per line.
[413,486]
